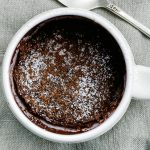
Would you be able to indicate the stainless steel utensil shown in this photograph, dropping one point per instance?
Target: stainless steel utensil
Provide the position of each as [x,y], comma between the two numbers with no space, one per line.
[91,4]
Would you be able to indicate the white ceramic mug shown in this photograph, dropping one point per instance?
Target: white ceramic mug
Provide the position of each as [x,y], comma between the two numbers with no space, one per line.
[137,80]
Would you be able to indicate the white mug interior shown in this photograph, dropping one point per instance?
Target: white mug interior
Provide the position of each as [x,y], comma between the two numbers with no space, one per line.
[118,113]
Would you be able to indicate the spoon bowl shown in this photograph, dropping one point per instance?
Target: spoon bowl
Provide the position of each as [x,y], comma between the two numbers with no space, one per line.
[84,4]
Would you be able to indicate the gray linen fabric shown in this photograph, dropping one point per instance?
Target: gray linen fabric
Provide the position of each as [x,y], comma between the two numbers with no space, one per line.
[131,133]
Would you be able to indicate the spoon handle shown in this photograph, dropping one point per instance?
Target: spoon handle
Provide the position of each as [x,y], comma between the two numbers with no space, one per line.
[116,10]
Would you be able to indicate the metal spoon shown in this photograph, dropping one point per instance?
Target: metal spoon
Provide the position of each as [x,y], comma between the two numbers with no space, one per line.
[91,4]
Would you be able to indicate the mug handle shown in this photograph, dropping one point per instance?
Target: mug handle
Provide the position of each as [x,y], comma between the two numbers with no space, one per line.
[141,84]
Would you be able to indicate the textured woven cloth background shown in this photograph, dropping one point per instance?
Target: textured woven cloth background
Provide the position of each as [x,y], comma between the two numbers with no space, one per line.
[131,133]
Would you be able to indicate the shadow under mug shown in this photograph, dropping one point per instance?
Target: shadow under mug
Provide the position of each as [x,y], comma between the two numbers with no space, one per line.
[137,80]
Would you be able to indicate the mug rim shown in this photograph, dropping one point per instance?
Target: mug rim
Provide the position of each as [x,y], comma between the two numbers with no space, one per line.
[120,110]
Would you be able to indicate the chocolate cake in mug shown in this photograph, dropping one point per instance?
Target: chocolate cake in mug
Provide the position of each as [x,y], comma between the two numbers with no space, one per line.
[68,75]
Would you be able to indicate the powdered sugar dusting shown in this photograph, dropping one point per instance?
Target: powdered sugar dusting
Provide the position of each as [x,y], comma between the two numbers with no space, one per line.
[65,81]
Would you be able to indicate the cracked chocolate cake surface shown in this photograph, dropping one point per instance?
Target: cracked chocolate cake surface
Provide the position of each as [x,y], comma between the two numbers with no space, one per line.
[68,73]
